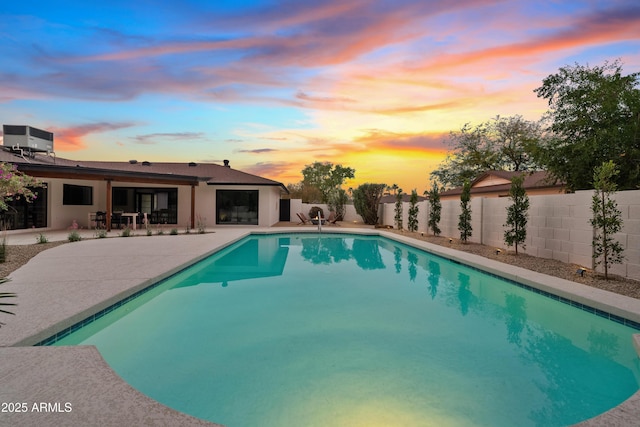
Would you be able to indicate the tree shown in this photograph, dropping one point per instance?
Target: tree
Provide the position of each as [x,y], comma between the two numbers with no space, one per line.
[15,185]
[366,200]
[326,177]
[308,193]
[594,117]
[337,203]
[393,188]
[435,208]
[517,214]
[464,220]
[607,218]
[398,209]
[413,211]
[503,143]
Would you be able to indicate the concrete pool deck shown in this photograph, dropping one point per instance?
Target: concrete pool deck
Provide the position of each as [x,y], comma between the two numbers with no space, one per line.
[74,386]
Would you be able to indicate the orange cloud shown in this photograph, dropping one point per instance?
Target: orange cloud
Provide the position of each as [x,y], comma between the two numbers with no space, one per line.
[74,138]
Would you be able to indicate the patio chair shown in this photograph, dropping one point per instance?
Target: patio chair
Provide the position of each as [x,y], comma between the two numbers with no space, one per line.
[116,218]
[303,219]
[333,219]
[101,220]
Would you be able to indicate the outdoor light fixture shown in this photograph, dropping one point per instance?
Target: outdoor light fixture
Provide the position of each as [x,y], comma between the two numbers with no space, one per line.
[498,251]
[581,271]
[450,240]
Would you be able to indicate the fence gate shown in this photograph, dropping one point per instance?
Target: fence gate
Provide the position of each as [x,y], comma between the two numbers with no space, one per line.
[285,210]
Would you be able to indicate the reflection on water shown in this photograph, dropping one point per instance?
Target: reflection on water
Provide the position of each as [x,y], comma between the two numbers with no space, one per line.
[319,250]
[327,250]
[336,330]
[252,259]
[433,277]
[603,343]
[516,317]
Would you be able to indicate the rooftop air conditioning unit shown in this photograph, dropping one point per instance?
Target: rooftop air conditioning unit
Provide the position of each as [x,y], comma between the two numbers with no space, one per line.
[27,138]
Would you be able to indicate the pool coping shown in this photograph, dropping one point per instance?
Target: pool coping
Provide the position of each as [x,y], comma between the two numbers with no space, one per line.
[143,261]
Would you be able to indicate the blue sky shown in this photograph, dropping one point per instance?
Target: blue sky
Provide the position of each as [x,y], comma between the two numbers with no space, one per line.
[275,85]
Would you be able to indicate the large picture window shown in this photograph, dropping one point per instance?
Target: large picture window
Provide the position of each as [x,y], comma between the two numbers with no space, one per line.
[77,195]
[237,207]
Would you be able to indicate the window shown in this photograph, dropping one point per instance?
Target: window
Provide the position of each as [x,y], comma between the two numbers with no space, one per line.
[237,207]
[22,215]
[77,195]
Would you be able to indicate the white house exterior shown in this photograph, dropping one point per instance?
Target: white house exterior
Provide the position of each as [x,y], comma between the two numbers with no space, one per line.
[176,194]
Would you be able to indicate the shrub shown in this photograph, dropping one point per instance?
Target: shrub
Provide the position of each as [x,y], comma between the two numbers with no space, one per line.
[435,209]
[174,232]
[337,202]
[464,220]
[517,214]
[126,232]
[366,200]
[201,224]
[398,210]
[42,238]
[101,233]
[413,211]
[74,236]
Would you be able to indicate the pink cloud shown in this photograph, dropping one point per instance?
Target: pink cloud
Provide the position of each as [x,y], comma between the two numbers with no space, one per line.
[73,138]
[376,139]
[584,31]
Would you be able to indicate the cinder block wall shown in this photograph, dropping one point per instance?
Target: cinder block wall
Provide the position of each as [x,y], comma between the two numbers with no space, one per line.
[558,227]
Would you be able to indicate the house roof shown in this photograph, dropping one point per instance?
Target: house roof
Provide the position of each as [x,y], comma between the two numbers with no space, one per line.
[185,173]
[500,181]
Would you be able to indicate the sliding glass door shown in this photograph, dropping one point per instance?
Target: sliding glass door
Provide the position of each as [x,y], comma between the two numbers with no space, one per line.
[237,207]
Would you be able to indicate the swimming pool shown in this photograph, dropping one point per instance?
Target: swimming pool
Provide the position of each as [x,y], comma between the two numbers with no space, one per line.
[359,330]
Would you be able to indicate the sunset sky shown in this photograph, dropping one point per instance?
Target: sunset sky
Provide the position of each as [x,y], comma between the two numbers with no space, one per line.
[274,85]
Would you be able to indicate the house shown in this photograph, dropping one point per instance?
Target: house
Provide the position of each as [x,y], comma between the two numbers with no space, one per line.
[498,184]
[172,193]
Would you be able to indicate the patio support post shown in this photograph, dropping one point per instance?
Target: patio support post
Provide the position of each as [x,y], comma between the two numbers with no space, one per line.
[109,207]
[193,206]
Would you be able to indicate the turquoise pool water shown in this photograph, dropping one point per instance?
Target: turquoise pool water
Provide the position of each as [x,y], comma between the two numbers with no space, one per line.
[345,330]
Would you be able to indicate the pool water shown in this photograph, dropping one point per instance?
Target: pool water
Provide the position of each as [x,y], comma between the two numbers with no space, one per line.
[346,330]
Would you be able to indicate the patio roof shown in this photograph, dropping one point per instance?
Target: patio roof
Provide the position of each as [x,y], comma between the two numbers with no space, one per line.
[42,165]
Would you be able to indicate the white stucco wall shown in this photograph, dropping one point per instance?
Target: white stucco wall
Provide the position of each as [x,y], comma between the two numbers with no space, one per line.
[60,216]
[558,226]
